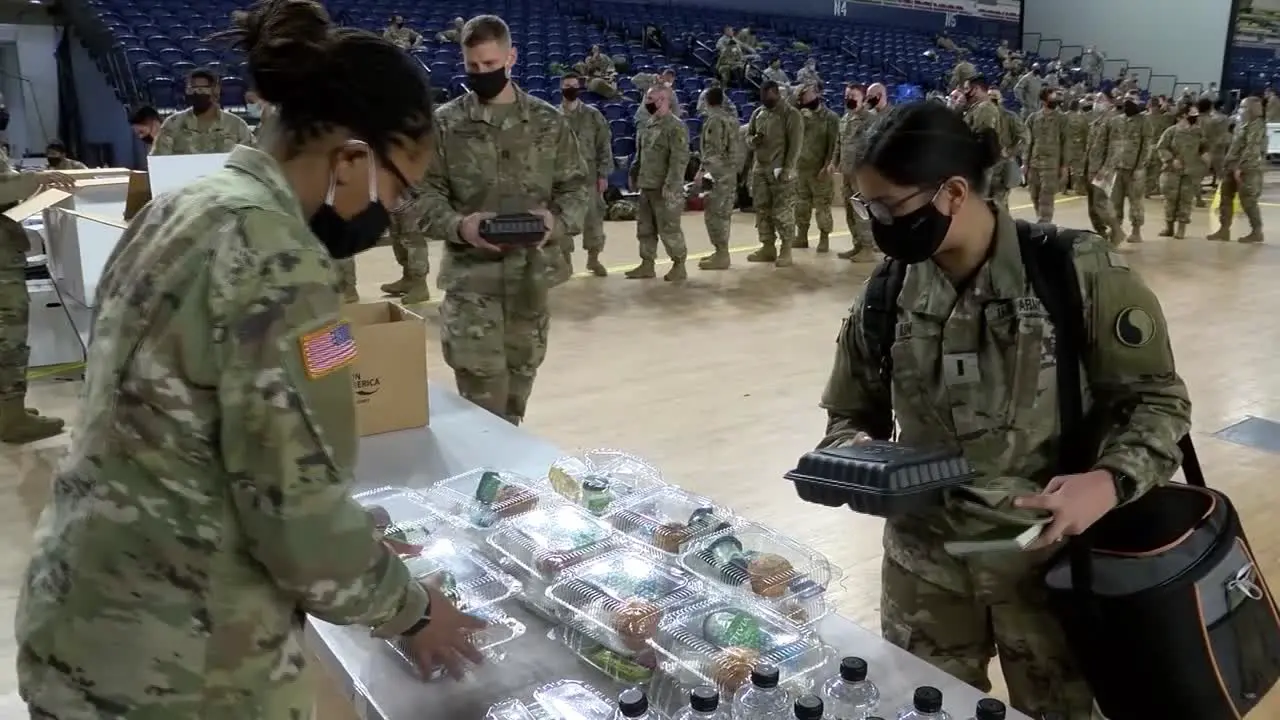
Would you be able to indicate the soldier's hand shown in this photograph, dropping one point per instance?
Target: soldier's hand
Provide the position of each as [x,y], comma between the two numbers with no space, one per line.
[446,640]
[1177,164]
[55,180]
[1236,174]
[469,231]
[1076,501]
[672,196]
[602,184]
[548,220]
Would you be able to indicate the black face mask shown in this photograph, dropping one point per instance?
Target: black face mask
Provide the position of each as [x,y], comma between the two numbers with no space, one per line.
[569,93]
[55,162]
[651,108]
[873,101]
[487,85]
[200,103]
[811,105]
[1053,104]
[345,238]
[1086,108]
[1193,119]
[147,139]
[1132,108]
[769,102]
[914,237]
[851,103]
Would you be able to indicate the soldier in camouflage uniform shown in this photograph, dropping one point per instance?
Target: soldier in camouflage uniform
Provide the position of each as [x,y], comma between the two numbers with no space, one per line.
[1102,213]
[1077,139]
[204,127]
[644,81]
[1127,157]
[982,116]
[600,72]
[1013,138]
[955,613]
[1184,156]
[494,317]
[401,35]
[662,157]
[203,511]
[721,149]
[1217,133]
[1161,117]
[1242,172]
[18,424]
[815,168]
[1047,141]
[409,243]
[596,144]
[451,33]
[855,118]
[55,154]
[776,135]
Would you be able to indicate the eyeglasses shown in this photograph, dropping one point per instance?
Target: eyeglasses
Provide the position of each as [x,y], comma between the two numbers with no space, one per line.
[882,212]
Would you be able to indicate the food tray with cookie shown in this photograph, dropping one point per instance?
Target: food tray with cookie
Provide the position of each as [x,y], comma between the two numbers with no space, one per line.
[620,598]
[544,542]
[719,640]
[479,499]
[755,562]
[460,573]
[599,480]
[629,668]
[880,478]
[572,700]
[668,519]
[501,630]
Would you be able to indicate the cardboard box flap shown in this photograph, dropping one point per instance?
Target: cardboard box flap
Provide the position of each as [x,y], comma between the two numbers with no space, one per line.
[389,378]
[94,218]
[96,173]
[92,182]
[36,204]
[138,194]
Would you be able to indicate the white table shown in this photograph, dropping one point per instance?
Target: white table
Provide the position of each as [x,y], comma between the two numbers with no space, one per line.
[462,437]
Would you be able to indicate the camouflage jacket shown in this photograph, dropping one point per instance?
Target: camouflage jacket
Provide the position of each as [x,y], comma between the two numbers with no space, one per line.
[182,134]
[403,37]
[721,146]
[594,138]
[1248,146]
[662,155]
[851,126]
[776,137]
[1185,145]
[1047,133]
[213,462]
[1131,142]
[821,144]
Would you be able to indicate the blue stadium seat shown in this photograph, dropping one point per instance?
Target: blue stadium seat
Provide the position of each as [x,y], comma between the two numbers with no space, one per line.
[164,92]
[624,145]
[621,126]
[233,89]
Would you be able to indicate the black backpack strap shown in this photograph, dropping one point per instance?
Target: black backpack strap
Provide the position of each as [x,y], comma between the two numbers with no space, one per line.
[880,315]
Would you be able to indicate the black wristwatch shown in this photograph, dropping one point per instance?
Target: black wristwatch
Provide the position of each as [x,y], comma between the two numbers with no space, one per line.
[424,621]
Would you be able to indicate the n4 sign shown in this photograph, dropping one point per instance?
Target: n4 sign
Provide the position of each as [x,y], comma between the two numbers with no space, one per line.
[841,8]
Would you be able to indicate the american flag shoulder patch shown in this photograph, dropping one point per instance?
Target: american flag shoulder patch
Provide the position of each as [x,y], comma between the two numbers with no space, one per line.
[328,349]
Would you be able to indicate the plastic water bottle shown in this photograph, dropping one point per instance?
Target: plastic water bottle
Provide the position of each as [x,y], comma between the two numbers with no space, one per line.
[925,705]
[762,699]
[633,704]
[850,695]
[704,704]
[989,709]
[809,707]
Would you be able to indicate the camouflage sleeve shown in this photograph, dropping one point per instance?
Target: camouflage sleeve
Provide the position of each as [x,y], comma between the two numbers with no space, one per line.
[794,128]
[1164,146]
[15,186]
[711,145]
[439,219]
[1235,150]
[1032,128]
[163,144]
[677,156]
[569,193]
[855,399]
[604,145]
[1098,150]
[244,136]
[1257,139]
[1145,147]
[833,139]
[1063,139]
[288,439]
[1130,369]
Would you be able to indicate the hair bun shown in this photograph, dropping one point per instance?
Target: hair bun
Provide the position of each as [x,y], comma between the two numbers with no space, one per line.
[285,42]
[988,147]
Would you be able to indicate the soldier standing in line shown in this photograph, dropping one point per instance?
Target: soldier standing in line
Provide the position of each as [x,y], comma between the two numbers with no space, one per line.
[1129,152]
[815,168]
[1013,138]
[1184,155]
[1078,119]
[500,150]
[596,143]
[19,424]
[852,122]
[662,157]
[204,127]
[1102,213]
[722,150]
[1217,133]
[776,134]
[981,114]
[1047,133]
[409,243]
[1242,168]
[644,81]
[1161,117]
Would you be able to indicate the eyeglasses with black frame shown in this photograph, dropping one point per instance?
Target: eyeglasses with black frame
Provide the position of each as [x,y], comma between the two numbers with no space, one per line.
[882,212]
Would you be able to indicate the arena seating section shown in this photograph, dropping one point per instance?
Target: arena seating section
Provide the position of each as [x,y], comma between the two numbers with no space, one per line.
[159,41]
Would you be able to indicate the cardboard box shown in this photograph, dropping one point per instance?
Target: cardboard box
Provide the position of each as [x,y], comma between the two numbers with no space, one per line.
[390,374]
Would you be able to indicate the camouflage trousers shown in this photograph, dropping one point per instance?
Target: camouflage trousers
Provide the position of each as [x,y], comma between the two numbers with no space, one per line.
[814,194]
[957,614]
[1077,178]
[1102,215]
[1248,189]
[592,225]
[1042,184]
[1153,176]
[1179,192]
[15,311]
[658,218]
[774,200]
[1004,177]
[859,229]
[494,344]
[1130,186]
[717,210]
[409,244]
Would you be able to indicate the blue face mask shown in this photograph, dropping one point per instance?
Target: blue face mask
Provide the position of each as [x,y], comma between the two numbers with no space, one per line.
[255,111]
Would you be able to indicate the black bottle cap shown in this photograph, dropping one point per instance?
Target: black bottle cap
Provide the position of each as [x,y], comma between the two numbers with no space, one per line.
[927,699]
[764,676]
[853,669]
[633,703]
[705,698]
[989,709]
[809,707]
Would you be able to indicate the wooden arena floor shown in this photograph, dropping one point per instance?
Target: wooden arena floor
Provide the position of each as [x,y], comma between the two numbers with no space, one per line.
[716,380]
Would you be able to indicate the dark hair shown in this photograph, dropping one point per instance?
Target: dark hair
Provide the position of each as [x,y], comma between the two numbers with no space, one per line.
[143,115]
[856,86]
[203,74]
[1204,105]
[1047,92]
[715,97]
[924,143]
[55,145]
[978,81]
[768,85]
[299,62]
[668,70]
[484,28]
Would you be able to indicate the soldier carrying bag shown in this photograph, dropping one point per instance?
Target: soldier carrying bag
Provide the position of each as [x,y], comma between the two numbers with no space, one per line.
[1161,601]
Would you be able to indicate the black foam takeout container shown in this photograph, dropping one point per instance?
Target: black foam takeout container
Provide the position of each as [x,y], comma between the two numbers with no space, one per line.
[879,478]
[520,229]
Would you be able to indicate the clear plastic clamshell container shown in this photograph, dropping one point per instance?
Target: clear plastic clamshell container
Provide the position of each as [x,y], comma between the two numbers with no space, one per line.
[457,570]
[599,480]
[620,599]
[510,710]
[402,518]
[754,562]
[573,700]
[489,641]
[479,499]
[719,640]
[631,668]
[668,519]
[544,542]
